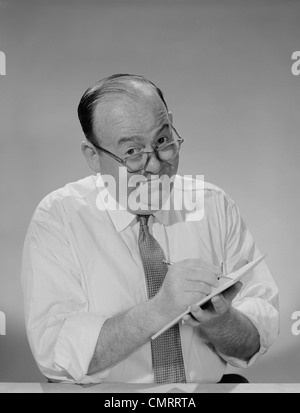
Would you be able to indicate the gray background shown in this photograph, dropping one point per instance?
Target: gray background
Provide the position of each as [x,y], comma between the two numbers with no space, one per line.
[225,68]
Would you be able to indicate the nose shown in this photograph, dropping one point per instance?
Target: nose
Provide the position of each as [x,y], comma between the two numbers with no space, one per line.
[153,165]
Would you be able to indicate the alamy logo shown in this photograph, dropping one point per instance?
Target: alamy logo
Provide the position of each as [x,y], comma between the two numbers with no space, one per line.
[296,66]
[140,193]
[2,64]
[2,324]
[296,324]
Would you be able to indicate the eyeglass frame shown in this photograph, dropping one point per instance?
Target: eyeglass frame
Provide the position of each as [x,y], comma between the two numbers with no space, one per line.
[123,160]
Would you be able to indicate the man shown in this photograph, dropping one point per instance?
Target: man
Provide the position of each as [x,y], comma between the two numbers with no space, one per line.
[95,285]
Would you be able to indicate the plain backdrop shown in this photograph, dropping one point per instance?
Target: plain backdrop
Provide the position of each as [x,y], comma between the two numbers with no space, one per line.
[225,68]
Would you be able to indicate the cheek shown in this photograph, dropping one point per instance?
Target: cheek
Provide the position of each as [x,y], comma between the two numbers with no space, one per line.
[115,175]
[109,166]
[175,164]
[171,168]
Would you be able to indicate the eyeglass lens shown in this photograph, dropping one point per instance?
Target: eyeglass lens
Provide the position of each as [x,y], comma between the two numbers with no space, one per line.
[165,153]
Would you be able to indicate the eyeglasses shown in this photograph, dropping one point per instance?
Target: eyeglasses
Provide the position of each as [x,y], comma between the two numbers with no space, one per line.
[137,162]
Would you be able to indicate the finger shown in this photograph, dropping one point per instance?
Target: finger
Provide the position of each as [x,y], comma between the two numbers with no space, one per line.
[203,276]
[203,315]
[198,287]
[220,304]
[200,315]
[190,321]
[232,291]
[193,297]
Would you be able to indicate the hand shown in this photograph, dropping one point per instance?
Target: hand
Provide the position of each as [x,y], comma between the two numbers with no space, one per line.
[186,283]
[217,308]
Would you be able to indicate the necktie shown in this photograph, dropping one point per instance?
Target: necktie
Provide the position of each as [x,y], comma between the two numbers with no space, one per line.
[166,350]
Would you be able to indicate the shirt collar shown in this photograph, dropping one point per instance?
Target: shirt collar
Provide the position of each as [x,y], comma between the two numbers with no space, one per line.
[120,218]
[162,216]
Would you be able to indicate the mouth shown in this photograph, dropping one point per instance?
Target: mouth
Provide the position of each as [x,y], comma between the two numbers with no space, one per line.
[157,175]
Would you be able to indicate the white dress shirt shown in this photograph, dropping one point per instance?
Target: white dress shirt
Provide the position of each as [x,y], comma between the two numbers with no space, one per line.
[82,266]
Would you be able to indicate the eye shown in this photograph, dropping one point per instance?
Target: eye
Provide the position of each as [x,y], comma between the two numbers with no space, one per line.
[132,151]
[162,140]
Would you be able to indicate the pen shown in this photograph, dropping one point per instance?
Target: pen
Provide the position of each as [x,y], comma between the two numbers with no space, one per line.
[218,275]
[168,262]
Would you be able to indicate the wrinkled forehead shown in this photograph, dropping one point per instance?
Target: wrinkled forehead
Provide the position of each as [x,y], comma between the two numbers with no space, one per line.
[138,113]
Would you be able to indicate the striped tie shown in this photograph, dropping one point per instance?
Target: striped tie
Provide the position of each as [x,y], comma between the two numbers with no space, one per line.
[166,349]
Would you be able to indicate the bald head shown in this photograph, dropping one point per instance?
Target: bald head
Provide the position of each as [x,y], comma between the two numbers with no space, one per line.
[111,96]
[141,109]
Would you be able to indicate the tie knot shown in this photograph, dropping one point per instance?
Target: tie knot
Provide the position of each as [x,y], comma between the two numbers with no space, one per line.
[143,220]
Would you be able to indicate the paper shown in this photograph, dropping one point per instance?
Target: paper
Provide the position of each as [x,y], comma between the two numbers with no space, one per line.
[234,277]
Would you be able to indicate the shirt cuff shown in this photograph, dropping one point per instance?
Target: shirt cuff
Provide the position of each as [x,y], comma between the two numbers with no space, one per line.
[75,347]
[265,318]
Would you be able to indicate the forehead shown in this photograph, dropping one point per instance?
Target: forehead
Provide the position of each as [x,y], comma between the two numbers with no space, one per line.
[121,116]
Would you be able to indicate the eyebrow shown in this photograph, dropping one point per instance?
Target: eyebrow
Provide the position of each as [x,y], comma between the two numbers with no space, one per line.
[124,139]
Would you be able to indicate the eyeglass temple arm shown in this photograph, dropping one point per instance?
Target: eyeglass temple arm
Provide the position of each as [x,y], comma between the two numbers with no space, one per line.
[176,132]
[117,158]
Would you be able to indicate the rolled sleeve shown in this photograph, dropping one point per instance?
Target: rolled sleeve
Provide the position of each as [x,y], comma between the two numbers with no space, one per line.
[265,318]
[75,347]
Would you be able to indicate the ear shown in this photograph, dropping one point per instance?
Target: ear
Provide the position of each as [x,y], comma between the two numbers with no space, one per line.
[91,155]
[170,116]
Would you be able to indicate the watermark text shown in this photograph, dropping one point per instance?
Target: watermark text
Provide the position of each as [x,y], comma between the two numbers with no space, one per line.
[2,324]
[2,64]
[140,193]
[296,324]
[133,404]
[296,65]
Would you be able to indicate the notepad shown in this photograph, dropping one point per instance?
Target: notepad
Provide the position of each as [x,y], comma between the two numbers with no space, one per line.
[234,276]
